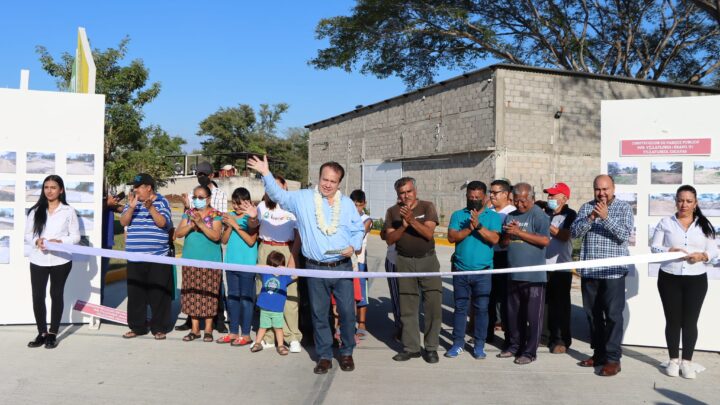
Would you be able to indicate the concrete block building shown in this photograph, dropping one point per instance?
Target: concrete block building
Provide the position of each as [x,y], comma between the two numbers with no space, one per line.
[521,123]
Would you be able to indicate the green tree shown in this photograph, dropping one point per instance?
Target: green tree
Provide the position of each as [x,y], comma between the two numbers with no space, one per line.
[129,147]
[292,151]
[670,40]
[232,130]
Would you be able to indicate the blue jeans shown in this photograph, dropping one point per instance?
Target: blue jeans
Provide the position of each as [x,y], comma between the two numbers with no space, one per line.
[240,301]
[471,290]
[319,290]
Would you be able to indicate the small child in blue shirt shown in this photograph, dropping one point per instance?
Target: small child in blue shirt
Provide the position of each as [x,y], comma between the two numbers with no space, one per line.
[271,302]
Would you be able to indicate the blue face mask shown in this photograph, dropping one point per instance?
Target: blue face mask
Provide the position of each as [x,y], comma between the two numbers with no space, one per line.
[552,204]
[199,204]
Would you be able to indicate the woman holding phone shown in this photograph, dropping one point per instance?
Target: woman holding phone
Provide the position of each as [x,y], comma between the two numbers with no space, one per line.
[51,219]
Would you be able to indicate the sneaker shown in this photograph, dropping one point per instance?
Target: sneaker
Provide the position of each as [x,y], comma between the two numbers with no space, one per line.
[295,347]
[687,370]
[267,345]
[479,352]
[454,351]
[673,368]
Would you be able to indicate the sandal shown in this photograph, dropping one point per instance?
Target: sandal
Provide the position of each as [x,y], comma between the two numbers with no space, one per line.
[190,337]
[208,337]
[282,350]
[241,341]
[225,339]
[130,335]
[256,348]
[361,334]
[160,336]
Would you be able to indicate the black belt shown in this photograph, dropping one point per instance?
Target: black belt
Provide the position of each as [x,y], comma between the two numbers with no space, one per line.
[327,264]
[426,254]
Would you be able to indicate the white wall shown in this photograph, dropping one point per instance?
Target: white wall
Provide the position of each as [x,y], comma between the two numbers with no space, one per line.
[668,118]
[59,123]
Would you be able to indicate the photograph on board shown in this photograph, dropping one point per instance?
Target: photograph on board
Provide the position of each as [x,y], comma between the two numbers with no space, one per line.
[8,162]
[7,219]
[661,204]
[39,162]
[86,218]
[33,188]
[79,191]
[666,172]
[707,172]
[630,198]
[80,163]
[623,172]
[709,203]
[4,249]
[7,190]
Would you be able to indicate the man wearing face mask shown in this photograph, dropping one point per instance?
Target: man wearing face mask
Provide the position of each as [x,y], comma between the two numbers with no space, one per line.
[218,200]
[474,230]
[559,251]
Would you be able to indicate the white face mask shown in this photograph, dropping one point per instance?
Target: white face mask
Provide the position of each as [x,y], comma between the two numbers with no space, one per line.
[552,204]
[199,204]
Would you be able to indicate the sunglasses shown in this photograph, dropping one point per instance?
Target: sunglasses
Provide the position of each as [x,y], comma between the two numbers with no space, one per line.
[198,198]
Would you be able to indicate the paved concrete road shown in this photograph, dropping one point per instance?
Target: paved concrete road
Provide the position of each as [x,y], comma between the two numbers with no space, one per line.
[100,367]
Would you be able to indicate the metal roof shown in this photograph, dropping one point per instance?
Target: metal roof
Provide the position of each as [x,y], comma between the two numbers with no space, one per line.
[525,68]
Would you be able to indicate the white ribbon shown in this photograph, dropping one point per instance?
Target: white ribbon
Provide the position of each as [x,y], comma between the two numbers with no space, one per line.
[331,273]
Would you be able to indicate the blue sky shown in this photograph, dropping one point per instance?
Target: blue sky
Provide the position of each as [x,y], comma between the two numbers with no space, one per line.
[206,55]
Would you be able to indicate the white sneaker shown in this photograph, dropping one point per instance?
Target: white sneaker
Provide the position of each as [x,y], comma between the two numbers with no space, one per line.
[673,368]
[687,370]
[267,345]
[295,347]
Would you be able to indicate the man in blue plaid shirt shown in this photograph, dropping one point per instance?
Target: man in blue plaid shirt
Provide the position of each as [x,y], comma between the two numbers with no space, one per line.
[604,225]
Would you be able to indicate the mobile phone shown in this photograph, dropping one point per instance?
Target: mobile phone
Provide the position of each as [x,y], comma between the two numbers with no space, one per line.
[334,252]
[120,196]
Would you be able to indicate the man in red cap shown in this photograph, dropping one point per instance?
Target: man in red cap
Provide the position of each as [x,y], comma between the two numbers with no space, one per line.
[559,251]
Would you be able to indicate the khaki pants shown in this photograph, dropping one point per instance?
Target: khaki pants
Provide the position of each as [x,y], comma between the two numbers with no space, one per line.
[410,290]
[291,330]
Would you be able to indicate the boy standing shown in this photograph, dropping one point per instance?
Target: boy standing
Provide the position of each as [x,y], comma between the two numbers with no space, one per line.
[271,302]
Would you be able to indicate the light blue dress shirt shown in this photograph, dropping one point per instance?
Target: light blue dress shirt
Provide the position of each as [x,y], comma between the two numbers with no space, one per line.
[315,243]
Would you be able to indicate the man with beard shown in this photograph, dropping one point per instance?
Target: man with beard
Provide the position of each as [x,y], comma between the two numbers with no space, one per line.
[410,225]
[604,225]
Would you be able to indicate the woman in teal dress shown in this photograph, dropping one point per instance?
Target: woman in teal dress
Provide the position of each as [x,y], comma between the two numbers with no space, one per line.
[201,227]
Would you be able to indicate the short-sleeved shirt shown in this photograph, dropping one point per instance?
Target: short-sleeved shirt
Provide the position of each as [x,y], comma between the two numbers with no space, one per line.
[521,253]
[276,225]
[238,251]
[558,251]
[362,257]
[411,243]
[143,236]
[273,293]
[503,213]
[474,252]
[197,245]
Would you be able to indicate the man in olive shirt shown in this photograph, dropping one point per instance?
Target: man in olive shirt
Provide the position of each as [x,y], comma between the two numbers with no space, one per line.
[410,225]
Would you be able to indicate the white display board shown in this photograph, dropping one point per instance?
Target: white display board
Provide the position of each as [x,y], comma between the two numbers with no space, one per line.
[44,133]
[652,147]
